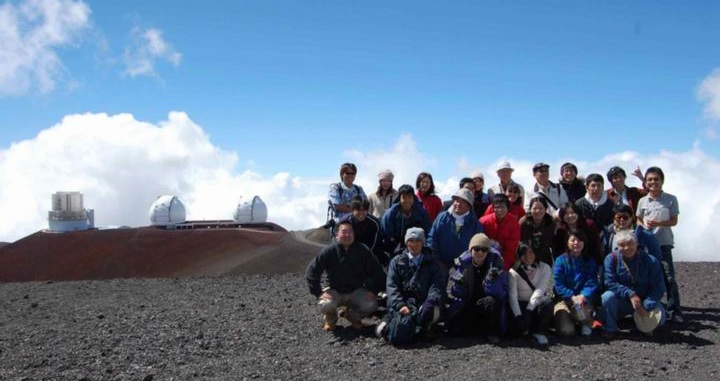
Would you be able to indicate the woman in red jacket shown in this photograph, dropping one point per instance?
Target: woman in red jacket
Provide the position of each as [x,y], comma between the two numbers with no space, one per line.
[426,193]
[502,227]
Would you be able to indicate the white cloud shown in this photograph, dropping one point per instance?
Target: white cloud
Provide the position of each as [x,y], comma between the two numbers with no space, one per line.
[709,92]
[122,164]
[31,33]
[145,49]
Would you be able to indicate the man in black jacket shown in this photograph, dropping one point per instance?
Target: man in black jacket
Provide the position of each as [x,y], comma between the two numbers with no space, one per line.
[354,278]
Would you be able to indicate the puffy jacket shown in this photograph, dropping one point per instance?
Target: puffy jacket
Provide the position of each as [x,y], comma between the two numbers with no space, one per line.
[347,270]
[431,203]
[407,285]
[462,280]
[394,224]
[643,276]
[506,233]
[574,276]
[446,243]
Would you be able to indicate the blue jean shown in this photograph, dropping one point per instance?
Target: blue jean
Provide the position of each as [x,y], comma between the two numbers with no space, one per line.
[615,308]
[671,287]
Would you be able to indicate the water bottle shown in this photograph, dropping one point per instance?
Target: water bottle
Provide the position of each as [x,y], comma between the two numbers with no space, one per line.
[579,312]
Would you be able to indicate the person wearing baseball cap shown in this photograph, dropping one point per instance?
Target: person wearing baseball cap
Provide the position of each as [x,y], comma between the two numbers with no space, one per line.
[552,193]
[385,194]
[504,172]
[452,229]
[482,199]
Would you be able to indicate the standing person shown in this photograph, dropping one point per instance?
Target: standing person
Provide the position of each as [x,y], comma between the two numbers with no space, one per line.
[551,192]
[575,277]
[454,228]
[381,200]
[482,199]
[407,213]
[573,186]
[341,194]
[658,212]
[504,172]
[415,283]
[529,294]
[503,228]
[477,291]
[620,193]
[596,205]
[634,283]
[426,194]
[367,229]
[354,278]
[538,228]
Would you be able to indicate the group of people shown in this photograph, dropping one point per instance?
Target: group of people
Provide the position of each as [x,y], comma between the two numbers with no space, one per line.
[570,256]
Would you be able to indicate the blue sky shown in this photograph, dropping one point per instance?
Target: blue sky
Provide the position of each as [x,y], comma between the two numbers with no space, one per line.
[128,100]
[317,78]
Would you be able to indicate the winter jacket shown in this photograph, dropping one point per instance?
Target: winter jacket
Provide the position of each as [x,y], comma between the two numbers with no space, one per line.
[602,215]
[520,291]
[446,243]
[515,209]
[593,245]
[461,282]
[645,239]
[643,276]
[367,231]
[379,204]
[407,285]
[575,276]
[506,233]
[574,190]
[482,202]
[431,203]
[540,237]
[394,224]
[347,270]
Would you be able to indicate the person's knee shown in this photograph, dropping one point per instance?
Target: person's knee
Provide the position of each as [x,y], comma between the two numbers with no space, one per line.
[564,326]
[609,299]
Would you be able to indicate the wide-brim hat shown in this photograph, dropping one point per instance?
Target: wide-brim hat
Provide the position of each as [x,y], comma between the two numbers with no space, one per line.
[648,323]
[504,165]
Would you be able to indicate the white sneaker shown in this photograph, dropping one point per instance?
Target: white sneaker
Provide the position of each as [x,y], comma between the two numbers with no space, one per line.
[585,330]
[380,329]
[540,338]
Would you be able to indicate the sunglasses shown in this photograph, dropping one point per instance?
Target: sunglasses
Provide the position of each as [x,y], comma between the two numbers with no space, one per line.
[349,173]
[622,217]
[480,248]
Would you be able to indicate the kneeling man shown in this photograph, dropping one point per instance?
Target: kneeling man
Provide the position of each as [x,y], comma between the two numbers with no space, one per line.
[354,278]
[635,285]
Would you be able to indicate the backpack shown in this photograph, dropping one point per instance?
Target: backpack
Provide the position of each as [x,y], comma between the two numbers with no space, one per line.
[402,329]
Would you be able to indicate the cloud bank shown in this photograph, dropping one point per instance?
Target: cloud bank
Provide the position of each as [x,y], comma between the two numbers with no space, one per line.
[146,48]
[31,34]
[121,165]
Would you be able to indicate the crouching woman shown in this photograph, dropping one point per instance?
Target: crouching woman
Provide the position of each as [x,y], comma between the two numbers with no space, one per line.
[415,285]
[477,291]
[529,290]
[635,285]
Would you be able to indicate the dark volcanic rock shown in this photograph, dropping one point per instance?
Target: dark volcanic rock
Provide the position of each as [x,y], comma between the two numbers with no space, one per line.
[266,327]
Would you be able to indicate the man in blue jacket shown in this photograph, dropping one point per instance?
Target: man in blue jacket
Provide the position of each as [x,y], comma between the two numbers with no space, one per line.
[453,229]
[634,283]
[405,214]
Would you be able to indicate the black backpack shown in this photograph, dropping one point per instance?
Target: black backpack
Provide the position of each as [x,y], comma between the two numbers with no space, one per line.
[402,329]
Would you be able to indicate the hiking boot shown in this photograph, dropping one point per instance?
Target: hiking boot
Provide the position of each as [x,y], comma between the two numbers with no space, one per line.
[541,339]
[330,322]
[585,330]
[354,322]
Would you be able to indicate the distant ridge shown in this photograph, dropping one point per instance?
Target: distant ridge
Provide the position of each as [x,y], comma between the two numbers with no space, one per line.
[153,253]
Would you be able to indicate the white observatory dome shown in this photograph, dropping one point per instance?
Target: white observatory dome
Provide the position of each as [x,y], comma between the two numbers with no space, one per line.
[253,211]
[167,211]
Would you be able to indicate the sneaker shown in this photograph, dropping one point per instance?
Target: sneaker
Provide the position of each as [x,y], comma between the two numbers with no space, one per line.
[677,318]
[540,338]
[380,329]
[585,330]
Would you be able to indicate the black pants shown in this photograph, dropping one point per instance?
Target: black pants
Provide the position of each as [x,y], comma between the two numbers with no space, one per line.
[479,318]
[537,321]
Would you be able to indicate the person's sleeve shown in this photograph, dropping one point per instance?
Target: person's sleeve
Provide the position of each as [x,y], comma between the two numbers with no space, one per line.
[561,288]
[513,294]
[392,287]
[361,193]
[511,243]
[591,284]
[657,286]
[432,240]
[674,208]
[313,273]
[334,194]
[542,286]
[375,272]
[437,286]
[425,221]
[612,282]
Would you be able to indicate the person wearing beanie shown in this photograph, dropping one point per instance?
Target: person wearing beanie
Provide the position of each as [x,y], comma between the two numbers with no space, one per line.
[482,199]
[529,294]
[415,284]
[452,230]
[503,228]
[477,291]
[574,187]
[384,196]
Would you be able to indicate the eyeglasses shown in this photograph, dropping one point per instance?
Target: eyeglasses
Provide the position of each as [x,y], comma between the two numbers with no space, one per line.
[622,217]
[480,248]
[349,173]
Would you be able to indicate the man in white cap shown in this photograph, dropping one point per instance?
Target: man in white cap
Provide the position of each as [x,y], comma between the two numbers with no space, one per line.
[453,229]
[635,285]
[504,172]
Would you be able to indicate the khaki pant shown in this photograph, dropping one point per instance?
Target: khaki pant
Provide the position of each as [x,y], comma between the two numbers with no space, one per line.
[359,303]
[565,318]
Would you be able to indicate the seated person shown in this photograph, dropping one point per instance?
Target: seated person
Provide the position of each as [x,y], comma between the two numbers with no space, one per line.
[529,290]
[596,206]
[503,228]
[538,228]
[415,283]
[514,194]
[634,283]
[354,278]
[623,221]
[477,291]
[405,214]
[575,277]
[367,229]
[453,229]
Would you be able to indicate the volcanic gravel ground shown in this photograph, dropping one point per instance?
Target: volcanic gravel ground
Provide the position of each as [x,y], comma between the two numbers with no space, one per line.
[266,327]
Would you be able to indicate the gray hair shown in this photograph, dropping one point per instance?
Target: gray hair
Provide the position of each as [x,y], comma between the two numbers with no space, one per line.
[625,236]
